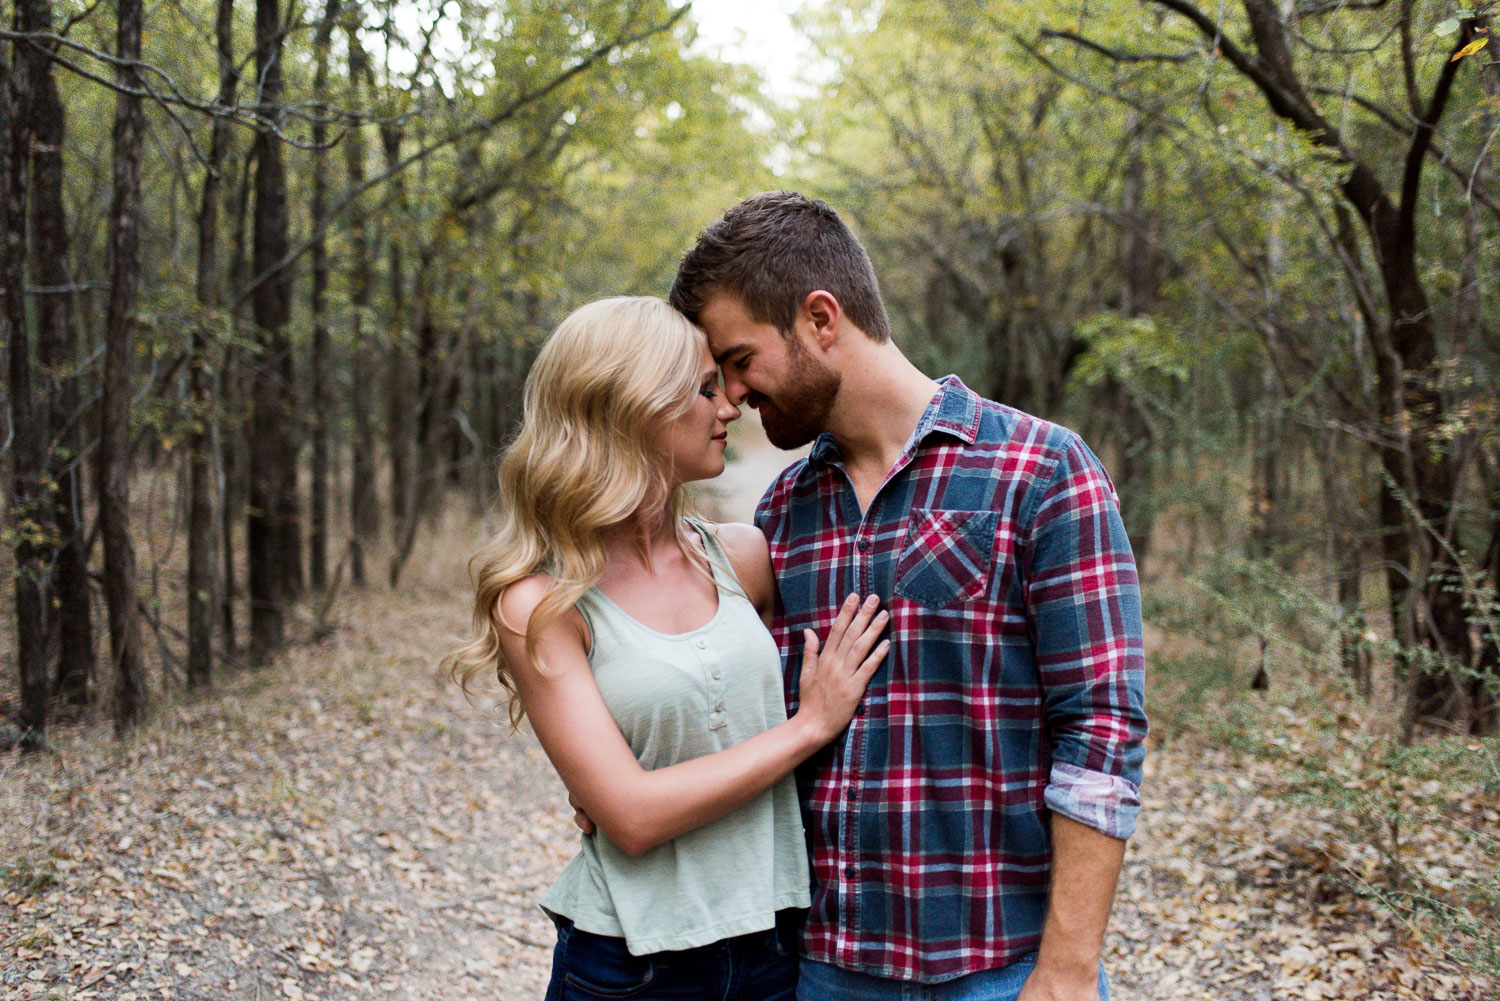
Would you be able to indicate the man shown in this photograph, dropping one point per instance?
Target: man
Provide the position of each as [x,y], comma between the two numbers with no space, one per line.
[967,830]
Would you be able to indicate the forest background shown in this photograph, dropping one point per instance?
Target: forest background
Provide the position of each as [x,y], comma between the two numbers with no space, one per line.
[271,275]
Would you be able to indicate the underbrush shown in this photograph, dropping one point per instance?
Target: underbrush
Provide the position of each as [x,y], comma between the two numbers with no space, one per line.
[1411,829]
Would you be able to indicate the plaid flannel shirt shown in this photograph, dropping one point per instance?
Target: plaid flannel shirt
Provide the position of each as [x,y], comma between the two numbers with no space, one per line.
[1013,685]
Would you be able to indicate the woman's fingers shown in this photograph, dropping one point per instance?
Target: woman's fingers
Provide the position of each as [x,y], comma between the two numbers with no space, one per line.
[866,638]
[867,668]
[842,620]
[856,625]
[855,630]
[836,670]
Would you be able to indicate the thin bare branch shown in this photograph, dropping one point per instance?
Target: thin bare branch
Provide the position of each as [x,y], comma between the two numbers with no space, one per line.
[1122,57]
[1319,9]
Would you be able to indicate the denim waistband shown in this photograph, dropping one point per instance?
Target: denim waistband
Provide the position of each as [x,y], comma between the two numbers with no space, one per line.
[788,922]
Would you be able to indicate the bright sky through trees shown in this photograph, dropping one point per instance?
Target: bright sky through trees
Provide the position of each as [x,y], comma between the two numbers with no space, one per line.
[762,35]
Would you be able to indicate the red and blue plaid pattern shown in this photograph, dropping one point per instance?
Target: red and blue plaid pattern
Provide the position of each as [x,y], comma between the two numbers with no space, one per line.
[1013,684]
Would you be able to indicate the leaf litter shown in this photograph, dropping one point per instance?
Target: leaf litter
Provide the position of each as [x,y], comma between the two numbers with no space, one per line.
[344,825]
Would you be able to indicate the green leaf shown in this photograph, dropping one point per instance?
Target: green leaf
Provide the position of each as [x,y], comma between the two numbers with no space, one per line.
[1447,27]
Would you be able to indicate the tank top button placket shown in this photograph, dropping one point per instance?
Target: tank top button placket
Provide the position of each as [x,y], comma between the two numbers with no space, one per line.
[715,672]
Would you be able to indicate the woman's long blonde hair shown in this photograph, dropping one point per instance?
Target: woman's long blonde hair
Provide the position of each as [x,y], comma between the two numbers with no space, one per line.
[583,461]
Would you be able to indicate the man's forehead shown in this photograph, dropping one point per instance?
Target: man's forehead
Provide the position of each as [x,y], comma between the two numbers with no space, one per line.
[718,338]
[729,326]
[724,309]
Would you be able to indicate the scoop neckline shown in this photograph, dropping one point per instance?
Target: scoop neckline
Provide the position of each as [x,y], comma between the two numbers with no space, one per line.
[702,531]
[718,613]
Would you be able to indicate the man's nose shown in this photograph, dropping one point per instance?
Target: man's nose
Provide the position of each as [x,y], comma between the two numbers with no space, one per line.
[735,390]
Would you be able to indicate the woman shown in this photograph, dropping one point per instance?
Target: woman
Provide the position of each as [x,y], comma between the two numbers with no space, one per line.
[632,636]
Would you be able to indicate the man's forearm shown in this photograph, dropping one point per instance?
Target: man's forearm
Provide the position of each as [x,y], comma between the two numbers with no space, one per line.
[1085,869]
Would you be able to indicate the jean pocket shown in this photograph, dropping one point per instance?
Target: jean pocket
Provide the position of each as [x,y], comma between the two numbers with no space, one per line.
[947,556]
[600,966]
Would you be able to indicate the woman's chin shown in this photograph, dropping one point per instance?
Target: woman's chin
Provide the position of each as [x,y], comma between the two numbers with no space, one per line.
[710,471]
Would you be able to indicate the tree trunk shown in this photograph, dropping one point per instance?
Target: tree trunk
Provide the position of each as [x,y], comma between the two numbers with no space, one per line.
[29,511]
[202,579]
[233,449]
[483,400]
[1138,290]
[319,403]
[57,376]
[1270,484]
[1486,695]
[131,696]
[1487,685]
[1269,474]
[272,522]
[398,392]
[364,511]
[445,377]
[1343,557]
[1421,480]
[426,467]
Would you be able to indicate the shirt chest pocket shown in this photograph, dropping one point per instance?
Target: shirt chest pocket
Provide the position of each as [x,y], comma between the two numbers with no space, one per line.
[947,556]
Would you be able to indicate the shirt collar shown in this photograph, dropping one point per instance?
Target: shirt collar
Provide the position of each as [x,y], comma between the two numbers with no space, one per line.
[953,410]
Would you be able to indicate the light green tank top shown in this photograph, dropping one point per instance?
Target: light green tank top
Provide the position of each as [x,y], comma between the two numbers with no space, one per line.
[676,697]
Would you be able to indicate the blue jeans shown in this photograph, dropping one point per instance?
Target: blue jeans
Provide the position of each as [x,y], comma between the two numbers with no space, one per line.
[761,966]
[823,982]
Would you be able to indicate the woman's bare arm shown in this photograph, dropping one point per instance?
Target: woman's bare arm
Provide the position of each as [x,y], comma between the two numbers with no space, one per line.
[639,809]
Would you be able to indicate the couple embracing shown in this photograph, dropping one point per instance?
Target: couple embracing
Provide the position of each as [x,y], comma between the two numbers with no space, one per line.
[885,743]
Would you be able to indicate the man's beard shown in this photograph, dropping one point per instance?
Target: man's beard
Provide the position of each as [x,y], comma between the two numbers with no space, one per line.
[803,403]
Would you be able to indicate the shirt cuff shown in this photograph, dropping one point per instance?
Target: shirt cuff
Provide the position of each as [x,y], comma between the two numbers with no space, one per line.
[1107,803]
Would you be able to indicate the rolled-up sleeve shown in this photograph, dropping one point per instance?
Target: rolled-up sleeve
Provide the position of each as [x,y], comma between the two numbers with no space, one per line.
[1083,601]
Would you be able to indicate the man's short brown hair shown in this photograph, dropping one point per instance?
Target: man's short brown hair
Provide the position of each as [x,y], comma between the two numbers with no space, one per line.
[770,251]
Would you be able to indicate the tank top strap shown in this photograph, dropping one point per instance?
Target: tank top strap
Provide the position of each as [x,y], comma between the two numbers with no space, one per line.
[718,560]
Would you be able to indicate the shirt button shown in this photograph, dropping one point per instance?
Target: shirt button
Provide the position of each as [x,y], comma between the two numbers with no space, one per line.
[717,674]
[848,872]
[701,644]
[852,794]
[719,706]
[859,710]
[864,545]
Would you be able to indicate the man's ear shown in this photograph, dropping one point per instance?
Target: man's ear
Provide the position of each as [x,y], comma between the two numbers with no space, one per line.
[825,314]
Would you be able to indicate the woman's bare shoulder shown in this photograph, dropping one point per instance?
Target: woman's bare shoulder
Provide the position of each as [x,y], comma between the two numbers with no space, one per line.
[742,541]
[748,553]
[519,600]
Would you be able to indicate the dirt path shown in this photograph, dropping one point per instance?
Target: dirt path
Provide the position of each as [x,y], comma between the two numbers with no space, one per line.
[344,826]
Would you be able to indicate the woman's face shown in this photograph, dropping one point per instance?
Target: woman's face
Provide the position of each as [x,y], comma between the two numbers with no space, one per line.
[693,444]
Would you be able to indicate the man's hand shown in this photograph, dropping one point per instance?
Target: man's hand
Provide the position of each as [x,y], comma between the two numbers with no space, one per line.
[1050,984]
[585,824]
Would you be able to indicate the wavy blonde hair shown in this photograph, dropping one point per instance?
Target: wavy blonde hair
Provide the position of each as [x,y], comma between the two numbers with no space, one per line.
[604,384]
